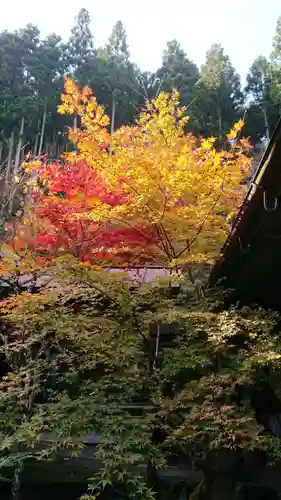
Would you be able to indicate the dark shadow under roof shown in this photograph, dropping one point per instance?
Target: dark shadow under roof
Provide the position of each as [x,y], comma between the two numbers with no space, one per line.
[251,257]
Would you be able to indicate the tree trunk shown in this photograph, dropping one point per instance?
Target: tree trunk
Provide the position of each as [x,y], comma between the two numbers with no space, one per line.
[112,124]
[42,134]
[35,146]
[220,476]
[220,125]
[75,121]
[266,123]
[48,149]
[54,145]
[17,159]
[22,155]
[16,167]
[10,160]
[220,488]
[36,140]
[152,474]
[113,117]
[153,481]
[8,175]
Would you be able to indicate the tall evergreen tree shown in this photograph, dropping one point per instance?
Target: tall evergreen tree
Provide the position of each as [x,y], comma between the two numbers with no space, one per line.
[117,43]
[17,90]
[276,45]
[177,71]
[48,78]
[276,66]
[259,90]
[11,80]
[32,69]
[79,50]
[115,78]
[220,93]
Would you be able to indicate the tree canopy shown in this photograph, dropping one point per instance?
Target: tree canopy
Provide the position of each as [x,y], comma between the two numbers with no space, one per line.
[32,71]
[149,193]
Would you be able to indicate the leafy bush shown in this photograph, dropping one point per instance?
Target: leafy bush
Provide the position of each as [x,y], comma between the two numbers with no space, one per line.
[80,353]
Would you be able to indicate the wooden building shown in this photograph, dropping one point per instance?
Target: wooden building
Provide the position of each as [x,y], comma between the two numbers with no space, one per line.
[251,257]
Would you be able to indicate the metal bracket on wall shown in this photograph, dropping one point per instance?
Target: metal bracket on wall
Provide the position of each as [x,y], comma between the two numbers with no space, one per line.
[265,203]
[244,250]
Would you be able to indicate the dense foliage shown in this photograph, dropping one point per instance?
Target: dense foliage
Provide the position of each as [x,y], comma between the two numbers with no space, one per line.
[80,354]
[146,193]
[31,80]
[136,184]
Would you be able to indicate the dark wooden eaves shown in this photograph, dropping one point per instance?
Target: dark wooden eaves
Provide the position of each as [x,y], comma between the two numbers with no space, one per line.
[251,256]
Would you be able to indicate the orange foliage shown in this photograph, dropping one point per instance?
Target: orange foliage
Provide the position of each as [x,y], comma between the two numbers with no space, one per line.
[148,193]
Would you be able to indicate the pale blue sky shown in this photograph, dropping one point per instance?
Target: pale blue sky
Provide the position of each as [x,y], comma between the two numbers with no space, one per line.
[245,27]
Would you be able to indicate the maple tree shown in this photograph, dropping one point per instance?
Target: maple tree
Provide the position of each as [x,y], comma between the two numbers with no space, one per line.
[145,193]
[65,212]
